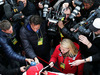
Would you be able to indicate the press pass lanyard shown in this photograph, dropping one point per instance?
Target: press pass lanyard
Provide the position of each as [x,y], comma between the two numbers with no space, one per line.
[40,39]
[62,64]
[14,40]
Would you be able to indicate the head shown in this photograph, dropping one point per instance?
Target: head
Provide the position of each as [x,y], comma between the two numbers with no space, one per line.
[24,2]
[95,27]
[67,11]
[88,4]
[35,22]
[6,27]
[67,46]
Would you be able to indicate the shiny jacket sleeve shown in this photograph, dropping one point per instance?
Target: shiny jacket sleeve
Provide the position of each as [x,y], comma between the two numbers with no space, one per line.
[5,71]
[67,33]
[9,51]
[26,44]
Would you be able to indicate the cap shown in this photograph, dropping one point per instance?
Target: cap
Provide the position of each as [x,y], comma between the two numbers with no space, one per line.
[34,70]
[96,25]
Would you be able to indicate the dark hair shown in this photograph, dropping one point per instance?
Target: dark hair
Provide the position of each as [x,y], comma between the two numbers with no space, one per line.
[35,19]
[88,1]
[5,25]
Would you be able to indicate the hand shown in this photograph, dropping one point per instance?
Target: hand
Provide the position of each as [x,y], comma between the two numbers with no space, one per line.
[79,14]
[83,39]
[77,62]
[40,5]
[29,60]
[73,4]
[60,24]
[45,73]
[65,5]
[51,64]
[22,69]
[24,2]
[36,60]
[73,30]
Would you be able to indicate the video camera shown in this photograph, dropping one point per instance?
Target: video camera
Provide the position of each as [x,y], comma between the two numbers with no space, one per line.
[11,10]
[53,27]
[83,26]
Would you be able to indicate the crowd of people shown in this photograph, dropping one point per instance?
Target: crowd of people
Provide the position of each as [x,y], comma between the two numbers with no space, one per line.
[27,36]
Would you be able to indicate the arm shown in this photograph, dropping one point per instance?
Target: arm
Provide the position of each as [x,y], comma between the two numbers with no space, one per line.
[5,71]
[54,55]
[91,47]
[9,51]
[64,30]
[53,58]
[81,66]
[26,44]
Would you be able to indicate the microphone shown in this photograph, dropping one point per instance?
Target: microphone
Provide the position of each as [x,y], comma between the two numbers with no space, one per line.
[7,10]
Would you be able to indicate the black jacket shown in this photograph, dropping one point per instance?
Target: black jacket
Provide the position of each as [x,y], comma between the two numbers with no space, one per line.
[30,41]
[4,69]
[66,30]
[94,50]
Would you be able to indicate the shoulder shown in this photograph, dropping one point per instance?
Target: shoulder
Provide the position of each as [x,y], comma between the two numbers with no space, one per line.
[77,45]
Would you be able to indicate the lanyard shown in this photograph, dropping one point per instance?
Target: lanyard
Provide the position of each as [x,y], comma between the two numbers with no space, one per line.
[38,35]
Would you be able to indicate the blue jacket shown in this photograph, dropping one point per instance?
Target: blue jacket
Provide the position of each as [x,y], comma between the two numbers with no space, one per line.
[6,44]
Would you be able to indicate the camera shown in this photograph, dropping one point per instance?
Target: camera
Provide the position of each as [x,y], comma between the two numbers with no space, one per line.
[76,10]
[83,26]
[53,27]
[82,29]
[1,2]
[45,9]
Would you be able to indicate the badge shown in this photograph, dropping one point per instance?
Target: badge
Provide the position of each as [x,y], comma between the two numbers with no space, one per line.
[60,54]
[61,35]
[14,41]
[62,65]
[40,41]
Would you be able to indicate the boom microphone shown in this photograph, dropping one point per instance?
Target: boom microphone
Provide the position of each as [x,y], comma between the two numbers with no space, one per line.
[7,10]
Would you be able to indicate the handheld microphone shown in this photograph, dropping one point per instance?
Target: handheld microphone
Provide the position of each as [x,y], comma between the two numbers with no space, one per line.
[7,10]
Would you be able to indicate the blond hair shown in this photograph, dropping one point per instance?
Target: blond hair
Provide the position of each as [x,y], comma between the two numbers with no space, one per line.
[67,43]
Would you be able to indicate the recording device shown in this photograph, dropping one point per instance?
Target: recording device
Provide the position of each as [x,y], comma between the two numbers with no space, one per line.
[17,16]
[83,26]
[53,27]
[31,64]
[45,9]
[76,10]
[11,10]
[1,2]
[7,9]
